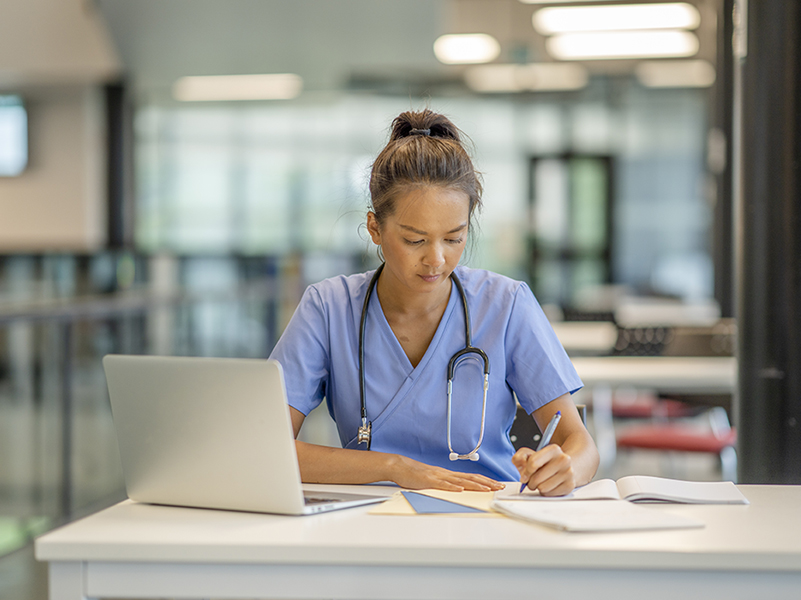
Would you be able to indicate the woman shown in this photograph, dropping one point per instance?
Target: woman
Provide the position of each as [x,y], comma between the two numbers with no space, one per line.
[424,192]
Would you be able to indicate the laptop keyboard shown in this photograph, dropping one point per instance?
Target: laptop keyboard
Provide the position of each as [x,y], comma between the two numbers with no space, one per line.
[315,500]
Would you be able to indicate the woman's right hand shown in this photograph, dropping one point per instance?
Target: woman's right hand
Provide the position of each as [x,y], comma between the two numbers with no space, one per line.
[414,475]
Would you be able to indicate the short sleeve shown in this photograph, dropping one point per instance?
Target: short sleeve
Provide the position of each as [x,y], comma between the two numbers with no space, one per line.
[538,368]
[304,353]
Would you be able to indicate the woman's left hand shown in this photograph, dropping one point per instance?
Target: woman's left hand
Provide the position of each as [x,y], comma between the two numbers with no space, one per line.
[549,470]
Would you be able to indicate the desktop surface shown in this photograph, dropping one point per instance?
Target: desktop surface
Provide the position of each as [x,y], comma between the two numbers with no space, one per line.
[759,536]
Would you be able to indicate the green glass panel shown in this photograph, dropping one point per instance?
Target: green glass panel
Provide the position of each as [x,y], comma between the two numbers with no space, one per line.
[588,182]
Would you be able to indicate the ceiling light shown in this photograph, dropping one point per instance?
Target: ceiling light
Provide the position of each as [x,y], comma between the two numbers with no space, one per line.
[616,17]
[279,86]
[622,44]
[466,48]
[675,73]
[559,1]
[531,77]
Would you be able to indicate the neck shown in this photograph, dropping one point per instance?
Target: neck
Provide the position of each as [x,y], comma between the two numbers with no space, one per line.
[399,300]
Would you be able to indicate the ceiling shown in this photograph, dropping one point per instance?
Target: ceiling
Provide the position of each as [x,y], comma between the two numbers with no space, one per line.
[332,44]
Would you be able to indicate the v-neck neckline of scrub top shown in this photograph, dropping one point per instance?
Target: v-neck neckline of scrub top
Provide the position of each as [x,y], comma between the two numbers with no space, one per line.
[398,348]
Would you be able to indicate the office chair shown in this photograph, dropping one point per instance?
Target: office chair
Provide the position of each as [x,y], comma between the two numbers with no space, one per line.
[526,433]
[719,438]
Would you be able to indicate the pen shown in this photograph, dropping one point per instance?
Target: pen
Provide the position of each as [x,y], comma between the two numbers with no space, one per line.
[545,439]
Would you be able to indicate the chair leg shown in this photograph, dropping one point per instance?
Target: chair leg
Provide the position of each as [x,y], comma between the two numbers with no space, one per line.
[728,464]
[604,427]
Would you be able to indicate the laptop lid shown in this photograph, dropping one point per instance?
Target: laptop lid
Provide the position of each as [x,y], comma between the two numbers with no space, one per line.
[206,432]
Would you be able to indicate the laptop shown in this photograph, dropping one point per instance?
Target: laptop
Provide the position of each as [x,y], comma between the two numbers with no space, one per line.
[210,433]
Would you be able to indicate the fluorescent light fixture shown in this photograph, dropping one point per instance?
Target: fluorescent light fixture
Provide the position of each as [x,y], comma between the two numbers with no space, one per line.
[559,1]
[466,48]
[278,86]
[13,136]
[616,17]
[532,77]
[675,73]
[622,44]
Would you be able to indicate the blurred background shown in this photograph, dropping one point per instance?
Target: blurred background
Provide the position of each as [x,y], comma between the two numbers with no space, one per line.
[173,173]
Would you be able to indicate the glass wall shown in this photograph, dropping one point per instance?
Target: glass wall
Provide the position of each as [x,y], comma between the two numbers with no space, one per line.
[292,179]
[60,314]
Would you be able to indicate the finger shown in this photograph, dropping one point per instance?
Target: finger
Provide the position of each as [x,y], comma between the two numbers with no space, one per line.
[448,486]
[536,460]
[476,487]
[473,480]
[554,472]
[469,483]
[521,456]
[550,477]
[554,476]
[558,486]
[545,472]
[485,481]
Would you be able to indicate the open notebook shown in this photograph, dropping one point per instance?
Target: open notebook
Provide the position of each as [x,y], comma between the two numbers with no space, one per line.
[642,488]
[589,516]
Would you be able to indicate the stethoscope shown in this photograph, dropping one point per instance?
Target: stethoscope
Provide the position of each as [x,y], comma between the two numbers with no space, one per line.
[366,430]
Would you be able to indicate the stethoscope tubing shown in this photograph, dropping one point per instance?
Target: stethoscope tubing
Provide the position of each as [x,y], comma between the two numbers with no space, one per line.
[365,430]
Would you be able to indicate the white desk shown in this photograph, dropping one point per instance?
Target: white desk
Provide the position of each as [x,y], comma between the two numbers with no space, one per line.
[142,551]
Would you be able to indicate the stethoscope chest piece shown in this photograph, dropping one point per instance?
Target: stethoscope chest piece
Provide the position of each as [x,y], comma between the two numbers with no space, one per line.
[365,433]
[471,456]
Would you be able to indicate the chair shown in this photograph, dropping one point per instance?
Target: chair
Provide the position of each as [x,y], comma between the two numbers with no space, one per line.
[526,433]
[719,438]
[667,429]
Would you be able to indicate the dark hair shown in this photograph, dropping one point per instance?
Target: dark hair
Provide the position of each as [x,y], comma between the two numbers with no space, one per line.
[424,149]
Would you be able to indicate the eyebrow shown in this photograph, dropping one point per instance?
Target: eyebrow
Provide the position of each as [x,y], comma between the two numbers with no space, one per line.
[420,232]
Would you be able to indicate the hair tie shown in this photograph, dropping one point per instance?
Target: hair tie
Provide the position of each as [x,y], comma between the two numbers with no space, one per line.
[420,132]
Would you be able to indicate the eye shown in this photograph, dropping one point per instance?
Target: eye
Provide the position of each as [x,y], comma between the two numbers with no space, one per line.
[413,242]
[455,241]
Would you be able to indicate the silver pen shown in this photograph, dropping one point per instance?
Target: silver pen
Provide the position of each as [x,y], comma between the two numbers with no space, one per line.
[546,438]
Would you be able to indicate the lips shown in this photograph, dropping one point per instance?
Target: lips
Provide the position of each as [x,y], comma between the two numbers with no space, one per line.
[430,278]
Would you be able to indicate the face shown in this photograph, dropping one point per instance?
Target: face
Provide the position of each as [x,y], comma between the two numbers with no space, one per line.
[423,240]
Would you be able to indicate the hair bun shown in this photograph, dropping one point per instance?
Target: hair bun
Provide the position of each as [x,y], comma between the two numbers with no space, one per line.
[426,123]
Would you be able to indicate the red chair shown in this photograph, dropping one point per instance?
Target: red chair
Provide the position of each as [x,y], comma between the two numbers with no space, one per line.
[719,439]
[648,406]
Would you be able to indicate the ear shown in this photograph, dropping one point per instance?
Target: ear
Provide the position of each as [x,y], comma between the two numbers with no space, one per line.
[374,228]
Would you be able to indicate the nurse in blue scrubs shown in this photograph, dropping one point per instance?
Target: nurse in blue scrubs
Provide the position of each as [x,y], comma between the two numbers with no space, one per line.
[424,195]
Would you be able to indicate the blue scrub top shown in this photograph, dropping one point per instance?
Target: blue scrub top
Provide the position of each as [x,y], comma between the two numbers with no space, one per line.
[319,352]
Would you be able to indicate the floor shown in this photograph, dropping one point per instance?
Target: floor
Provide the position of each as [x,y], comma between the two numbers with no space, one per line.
[22,577]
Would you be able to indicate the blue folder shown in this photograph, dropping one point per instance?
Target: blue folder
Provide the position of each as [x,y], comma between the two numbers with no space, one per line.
[426,505]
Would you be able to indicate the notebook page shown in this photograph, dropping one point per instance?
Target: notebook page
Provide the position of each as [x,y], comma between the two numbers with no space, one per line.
[602,489]
[592,516]
[644,488]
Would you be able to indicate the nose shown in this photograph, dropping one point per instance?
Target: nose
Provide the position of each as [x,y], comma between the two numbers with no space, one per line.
[434,256]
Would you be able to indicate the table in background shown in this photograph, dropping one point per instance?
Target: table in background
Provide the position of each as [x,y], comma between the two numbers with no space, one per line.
[664,374]
[143,551]
[661,374]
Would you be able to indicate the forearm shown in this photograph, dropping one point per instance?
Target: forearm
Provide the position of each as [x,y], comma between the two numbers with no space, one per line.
[583,455]
[323,464]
